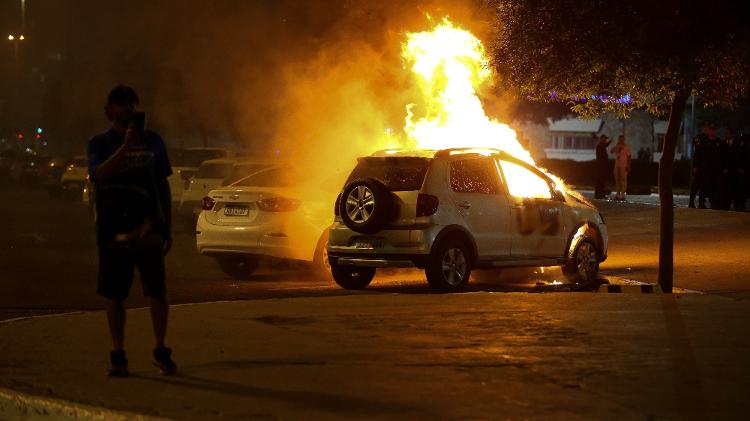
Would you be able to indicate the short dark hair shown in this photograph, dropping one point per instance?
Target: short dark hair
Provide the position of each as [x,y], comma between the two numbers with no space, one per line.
[122,95]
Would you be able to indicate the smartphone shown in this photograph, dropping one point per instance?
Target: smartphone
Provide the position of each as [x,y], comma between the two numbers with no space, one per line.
[139,121]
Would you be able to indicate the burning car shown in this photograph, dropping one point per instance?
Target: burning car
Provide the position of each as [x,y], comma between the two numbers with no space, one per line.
[451,211]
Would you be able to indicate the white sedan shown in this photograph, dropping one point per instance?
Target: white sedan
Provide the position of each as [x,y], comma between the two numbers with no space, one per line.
[274,213]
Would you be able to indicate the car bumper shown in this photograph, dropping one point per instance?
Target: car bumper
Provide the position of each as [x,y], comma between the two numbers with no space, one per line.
[388,248]
[261,240]
[605,241]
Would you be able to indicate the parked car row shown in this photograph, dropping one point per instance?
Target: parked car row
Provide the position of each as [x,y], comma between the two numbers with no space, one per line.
[448,212]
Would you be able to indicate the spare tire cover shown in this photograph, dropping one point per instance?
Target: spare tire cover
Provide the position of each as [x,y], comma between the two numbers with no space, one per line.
[366,205]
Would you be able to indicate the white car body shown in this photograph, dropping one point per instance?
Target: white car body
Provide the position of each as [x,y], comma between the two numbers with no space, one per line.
[73,178]
[210,175]
[185,163]
[264,215]
[494,227]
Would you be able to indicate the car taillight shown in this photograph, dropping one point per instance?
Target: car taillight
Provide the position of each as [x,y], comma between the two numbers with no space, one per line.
[208,203]
[336,210]
[278,204]
[427,204]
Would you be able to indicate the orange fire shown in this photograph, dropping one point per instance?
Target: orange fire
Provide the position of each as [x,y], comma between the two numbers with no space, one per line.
[451,68]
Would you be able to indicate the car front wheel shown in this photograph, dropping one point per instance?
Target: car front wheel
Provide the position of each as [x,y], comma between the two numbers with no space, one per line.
[582,267]
[352,277]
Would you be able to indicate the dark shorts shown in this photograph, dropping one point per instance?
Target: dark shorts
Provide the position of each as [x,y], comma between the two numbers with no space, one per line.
[117,264]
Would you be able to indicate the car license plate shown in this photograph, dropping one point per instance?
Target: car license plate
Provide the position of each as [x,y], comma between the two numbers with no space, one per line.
[236,210]
[367,244]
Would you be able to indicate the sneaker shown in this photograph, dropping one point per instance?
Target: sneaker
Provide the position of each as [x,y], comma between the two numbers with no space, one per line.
[163,360]
[119,363]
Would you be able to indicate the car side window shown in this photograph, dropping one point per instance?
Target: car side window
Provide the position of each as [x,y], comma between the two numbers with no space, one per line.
[522,182]
[474,176]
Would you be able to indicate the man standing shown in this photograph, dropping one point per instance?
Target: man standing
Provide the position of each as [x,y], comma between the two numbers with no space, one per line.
[623,156]
[602,167]
[698,181]
[714,164]
[129,168]
[736,150]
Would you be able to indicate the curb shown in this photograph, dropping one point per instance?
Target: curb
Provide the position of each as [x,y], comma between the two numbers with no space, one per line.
[20,406]
[630,289]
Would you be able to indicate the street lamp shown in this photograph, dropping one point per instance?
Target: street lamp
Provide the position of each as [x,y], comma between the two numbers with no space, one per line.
[16,40]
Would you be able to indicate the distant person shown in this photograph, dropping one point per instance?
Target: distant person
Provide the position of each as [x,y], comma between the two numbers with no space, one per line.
[129,167]
[623,158]
[738,159]
[699,176]
[602,167]
[715,165]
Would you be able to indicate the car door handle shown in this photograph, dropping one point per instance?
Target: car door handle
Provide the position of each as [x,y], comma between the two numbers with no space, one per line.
[465,205]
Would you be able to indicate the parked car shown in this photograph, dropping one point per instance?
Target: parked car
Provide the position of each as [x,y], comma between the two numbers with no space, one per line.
[274,213]
[244,169]
[27,168]
[7,158]
[52,172]
[452,211]
[74,177]
[185,163]
[209,176]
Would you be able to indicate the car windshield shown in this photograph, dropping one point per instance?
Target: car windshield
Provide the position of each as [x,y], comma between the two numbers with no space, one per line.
[396,173]
[214,170]
[273,177]
[194,157]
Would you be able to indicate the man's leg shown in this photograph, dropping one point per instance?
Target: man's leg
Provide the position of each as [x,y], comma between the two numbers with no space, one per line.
[116,320]
[159,318]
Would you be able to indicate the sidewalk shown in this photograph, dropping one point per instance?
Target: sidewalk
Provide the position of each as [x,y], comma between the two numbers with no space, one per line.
[405,356]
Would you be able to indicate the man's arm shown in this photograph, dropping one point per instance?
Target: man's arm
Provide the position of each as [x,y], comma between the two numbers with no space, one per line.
[108,168]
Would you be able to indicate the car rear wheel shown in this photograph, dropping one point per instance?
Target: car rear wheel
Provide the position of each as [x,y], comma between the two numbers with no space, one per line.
[321,263]
[449,267]
[238,267]
[582,267]
[352,277]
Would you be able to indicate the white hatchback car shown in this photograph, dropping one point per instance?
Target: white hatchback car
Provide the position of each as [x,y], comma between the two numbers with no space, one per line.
[185,163]
[455,210]
[210,175]
[274,213]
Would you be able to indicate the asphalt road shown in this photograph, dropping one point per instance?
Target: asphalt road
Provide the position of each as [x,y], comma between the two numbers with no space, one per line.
[48,260]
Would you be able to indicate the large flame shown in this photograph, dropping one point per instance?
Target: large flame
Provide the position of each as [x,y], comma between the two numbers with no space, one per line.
[451,68]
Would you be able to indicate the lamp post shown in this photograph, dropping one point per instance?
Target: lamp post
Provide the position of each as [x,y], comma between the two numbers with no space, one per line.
[16,39]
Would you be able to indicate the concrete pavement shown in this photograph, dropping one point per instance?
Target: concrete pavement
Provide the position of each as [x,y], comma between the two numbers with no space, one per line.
[396,356]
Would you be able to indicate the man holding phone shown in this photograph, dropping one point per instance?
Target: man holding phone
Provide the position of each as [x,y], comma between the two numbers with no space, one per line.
[128,167]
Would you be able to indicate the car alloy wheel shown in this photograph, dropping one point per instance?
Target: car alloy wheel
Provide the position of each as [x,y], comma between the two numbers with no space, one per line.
[585,260]
[360,204]
[454,266]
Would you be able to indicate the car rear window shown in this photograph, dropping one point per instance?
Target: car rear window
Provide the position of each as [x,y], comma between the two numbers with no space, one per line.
[396,173]
[243,170]
[273,177]
[214,170]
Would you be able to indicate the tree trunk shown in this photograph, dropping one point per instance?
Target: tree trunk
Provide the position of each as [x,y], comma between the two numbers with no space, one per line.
[666,208]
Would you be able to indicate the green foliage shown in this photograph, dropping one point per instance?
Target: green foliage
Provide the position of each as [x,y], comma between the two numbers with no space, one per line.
[568,50]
